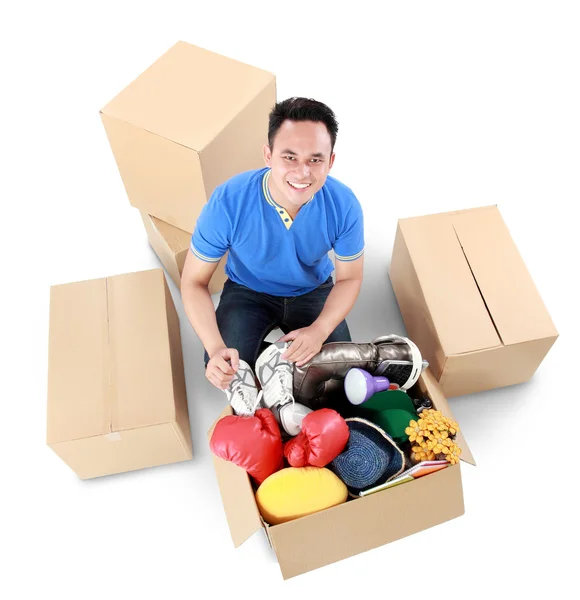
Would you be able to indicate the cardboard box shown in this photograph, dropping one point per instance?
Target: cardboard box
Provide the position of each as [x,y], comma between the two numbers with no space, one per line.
[468,301]
[172,245]
[116,386]
[188,123]
[357,525]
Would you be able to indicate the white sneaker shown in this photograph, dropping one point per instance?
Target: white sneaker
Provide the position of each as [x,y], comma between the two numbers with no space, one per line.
[276,375]
[242,393]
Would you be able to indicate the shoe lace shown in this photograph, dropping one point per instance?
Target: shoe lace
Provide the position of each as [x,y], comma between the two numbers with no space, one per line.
[280,384]
[258,400]
[245,398]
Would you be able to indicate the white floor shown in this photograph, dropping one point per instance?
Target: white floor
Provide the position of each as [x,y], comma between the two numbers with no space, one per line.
[441,106]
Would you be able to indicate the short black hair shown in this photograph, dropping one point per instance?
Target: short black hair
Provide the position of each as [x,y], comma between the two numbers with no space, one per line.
[301,109]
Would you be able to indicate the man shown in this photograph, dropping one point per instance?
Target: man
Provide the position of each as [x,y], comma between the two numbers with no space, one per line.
[278,225]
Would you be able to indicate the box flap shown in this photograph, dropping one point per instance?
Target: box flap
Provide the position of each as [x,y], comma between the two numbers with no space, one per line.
[451,294]
[479,292]
[171,258]
[78,362]
[181,424]
[109,356]
[510,295]
[141,371]
[176,239]
[237,495]
[431,388]
[188,95]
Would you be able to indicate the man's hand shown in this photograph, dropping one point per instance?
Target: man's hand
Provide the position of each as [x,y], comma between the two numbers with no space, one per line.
[219,371]
[306,342]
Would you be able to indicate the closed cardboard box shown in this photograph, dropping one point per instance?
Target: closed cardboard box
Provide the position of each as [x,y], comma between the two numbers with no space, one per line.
[188,123]
[172,245]
[359,524]
[116,386]
[468,300]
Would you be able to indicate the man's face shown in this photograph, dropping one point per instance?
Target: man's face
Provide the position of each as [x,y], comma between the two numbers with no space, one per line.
[300,160]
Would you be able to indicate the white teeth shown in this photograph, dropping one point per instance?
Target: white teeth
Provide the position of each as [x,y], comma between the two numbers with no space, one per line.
[300,186]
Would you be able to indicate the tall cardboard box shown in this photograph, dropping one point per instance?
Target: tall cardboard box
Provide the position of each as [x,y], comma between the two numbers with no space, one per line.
[116,386]
[188,123]
[468,300]
[359,524]
[172,245]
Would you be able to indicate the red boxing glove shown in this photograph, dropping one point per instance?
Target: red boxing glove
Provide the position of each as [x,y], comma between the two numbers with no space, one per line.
[253,443]
[323,437]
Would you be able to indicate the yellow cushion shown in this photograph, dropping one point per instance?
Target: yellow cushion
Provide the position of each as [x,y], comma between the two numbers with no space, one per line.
[298,491]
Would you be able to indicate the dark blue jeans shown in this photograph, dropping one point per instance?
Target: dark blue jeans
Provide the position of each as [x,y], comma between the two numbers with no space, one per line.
[246,317]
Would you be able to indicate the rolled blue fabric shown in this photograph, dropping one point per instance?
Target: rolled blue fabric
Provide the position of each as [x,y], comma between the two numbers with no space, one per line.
[370,457]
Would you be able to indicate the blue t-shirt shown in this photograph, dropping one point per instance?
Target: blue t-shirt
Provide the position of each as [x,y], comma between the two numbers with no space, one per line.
[268,251]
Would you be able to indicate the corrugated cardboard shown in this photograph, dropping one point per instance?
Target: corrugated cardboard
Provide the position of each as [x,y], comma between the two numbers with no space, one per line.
[355,526]
[116,386]
[172,245]
[468,301]
[188,123]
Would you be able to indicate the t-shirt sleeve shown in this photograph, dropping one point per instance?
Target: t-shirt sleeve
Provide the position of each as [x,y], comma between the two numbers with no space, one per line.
[350,242]
[212,234]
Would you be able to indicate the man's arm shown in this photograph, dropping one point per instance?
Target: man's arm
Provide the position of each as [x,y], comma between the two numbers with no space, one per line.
[197,301]
[341,299]
[200,311]
[306,342]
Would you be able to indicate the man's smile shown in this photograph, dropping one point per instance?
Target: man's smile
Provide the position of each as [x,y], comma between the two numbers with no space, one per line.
[299,186]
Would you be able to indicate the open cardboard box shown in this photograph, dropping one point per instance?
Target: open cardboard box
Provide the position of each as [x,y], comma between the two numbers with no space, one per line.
[171,245]
[188,123]
[468,300]
[357,525]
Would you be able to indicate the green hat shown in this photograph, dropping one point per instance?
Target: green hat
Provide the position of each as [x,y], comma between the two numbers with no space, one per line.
[391,410]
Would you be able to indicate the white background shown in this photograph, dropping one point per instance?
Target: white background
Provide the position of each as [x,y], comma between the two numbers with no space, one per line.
[442,106]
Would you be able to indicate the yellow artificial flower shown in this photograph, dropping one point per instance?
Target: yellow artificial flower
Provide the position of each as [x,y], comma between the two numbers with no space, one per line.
[433,434]
[414,431]
[423,452]
[440,444]
[439,421]
[455,452]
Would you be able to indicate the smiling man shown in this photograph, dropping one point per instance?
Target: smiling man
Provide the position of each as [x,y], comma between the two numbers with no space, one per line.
[278,225]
